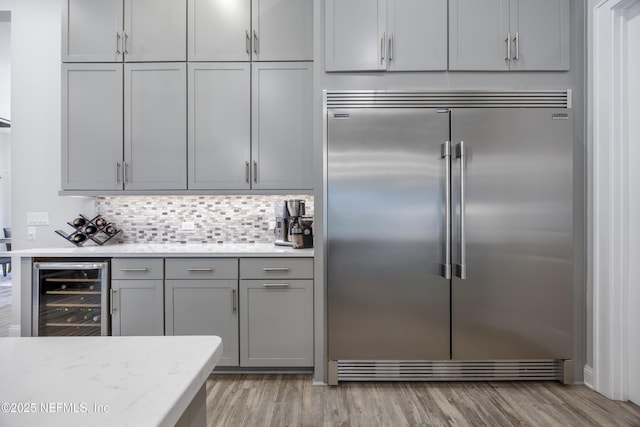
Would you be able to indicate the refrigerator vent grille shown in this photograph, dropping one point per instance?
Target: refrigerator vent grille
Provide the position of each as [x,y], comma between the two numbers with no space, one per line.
[449,99]
[450,370]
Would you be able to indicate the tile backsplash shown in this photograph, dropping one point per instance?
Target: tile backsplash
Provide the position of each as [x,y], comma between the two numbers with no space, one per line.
[217,219]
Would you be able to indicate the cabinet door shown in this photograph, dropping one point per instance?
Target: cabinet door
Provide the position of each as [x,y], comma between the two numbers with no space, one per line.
[204,307]
[155,123]
[478,35]
[540,34]
[91,126]
[417,35]
[155,30]
[137,307]
[282,135]
[276,323]
[219,125]
[219,30]
[355,38]
[282,30]
[91,31]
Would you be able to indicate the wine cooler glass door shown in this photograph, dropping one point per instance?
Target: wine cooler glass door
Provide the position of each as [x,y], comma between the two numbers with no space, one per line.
[70,299]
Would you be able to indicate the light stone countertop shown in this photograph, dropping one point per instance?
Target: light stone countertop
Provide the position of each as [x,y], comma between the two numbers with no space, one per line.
[102,381]
[168,250]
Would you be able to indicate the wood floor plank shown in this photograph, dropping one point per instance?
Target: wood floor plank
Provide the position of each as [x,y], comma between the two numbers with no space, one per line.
[292,400]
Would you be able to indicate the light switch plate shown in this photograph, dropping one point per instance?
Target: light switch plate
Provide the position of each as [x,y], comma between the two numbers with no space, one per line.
[37,218]
[31,233]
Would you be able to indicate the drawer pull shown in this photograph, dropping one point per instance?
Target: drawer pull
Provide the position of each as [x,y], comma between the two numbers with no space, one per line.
[275,269]
[199,269]
[134,269]
[275,285]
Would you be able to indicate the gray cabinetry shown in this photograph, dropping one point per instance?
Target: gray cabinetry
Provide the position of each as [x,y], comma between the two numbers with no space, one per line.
[509,35]
[282,128]
[137,296]
[258,30]
[155,122]
[92,126]
[201,298]
[393,35]
[151,115]
[113,30]
[276,306]
[219,125]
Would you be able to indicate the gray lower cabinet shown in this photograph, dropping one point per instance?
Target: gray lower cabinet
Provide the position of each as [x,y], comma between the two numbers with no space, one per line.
[276,312]
[201,298]
[137,297]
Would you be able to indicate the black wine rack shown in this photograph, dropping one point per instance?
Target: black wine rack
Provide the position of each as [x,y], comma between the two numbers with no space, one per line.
[96,229]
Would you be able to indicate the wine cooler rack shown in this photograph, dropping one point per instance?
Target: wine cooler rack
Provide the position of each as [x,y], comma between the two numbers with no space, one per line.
[96,229]
[71,299]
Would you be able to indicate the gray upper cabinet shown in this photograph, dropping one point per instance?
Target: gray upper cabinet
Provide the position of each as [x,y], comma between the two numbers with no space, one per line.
[509,35]
[282,30]
[219,30]
[393,35]
[219,125]
[282,137]
[133,30]
[92,126]
[244,30]
[155,122]
[91,31]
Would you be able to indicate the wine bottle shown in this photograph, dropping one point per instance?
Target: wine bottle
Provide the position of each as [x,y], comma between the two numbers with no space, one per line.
[79,222]
[101,222]
[90,229]
[79,237]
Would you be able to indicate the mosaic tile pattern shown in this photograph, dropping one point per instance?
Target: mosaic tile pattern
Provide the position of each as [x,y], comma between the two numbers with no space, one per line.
[217,219]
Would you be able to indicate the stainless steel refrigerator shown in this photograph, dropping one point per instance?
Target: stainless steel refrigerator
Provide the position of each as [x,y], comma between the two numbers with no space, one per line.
[449,236]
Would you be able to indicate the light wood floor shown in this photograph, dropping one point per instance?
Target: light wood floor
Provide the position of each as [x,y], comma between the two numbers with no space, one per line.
[292,400]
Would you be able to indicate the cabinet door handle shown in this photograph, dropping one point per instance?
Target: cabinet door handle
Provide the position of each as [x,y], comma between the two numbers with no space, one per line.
[126,38]
[508,40]
[275,285]
[517,40]
[255,42]
[267,269]
[199,269]
[255,171]
[118,172]
[383,43]
[391,47]
[112,307]
[234,300]
[118,43]
[124,172]
[247,42]
[247,172]
[134,269]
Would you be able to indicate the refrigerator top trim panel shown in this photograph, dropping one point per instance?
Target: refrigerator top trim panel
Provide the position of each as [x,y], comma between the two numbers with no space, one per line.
[448,99]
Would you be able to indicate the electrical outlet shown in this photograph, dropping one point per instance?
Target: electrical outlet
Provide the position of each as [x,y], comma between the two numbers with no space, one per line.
[31,233]
[188,226]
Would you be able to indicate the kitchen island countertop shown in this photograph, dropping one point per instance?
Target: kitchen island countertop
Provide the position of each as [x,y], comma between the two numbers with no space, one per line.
[103,381]
[169,250]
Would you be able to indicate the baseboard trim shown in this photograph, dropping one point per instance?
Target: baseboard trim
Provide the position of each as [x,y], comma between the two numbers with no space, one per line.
[588,376]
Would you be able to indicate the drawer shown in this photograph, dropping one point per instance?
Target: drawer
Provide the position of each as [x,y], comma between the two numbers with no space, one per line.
[276,268]
[201,268]
[137,268]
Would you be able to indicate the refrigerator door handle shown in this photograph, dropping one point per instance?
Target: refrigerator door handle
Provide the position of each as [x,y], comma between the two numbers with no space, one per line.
[446,155]
[461,267]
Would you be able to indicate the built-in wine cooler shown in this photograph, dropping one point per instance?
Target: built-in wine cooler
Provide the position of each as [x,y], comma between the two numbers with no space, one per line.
[70,298]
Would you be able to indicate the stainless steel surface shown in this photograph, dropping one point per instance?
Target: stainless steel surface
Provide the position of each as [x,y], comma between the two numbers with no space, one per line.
[247,172]
[255,171]
[134,269]
[391,47]
[385,228]
[112,301]
[234,300]
[275,285]
[247,42]
[126,39]
[448,99]
[118,172]
[199,269]
[117,43]
[517,40]
[124,172]
[383,41]
[446,155]
[516,302]
[275,269]
[295,207]
[255,42]
[461,269]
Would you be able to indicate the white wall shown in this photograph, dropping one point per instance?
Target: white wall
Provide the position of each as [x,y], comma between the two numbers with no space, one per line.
[5,62]
[35,116]
[5,180]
